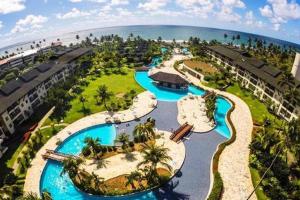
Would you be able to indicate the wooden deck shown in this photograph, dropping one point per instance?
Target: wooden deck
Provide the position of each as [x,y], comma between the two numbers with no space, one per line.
[181,132]
[60,157]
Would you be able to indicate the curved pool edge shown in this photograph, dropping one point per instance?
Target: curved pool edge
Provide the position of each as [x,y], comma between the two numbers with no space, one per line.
[33,175]
[215,158]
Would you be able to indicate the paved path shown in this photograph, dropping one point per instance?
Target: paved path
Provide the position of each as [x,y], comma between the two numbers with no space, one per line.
[234,160]
[193,181]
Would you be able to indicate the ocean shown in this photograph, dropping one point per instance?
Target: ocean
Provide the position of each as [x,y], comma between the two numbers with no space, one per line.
[167,32]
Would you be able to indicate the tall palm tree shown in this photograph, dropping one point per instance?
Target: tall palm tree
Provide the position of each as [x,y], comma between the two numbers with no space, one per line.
[154,155]
[104,94]
[225,36]
[124,139]
[93,144]
[285,78]
[139,130]
[71,166]
[293,95]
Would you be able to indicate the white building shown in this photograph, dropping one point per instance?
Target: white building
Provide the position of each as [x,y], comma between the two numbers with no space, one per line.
[19,98]
[263,80]
[296,67]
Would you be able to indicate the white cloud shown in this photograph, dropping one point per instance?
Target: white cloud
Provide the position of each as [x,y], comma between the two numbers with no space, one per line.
[280,11]
[252,21]
[266,11]
[96,1]
[74,13]
[234,3]
[119,2]
[226,14]
[124,12]
[1,24]
[9,6]
[29,22]
[152,5]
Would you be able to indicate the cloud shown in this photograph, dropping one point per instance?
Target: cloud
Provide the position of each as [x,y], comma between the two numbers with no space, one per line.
[1,24]
[152,5]
[252,21]
[29,22]
[226,14]
[280,12]
[234,3]
[9,6]
[96,1]
[119,2]
[74,13]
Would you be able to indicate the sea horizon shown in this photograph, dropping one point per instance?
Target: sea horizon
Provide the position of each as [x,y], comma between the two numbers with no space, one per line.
[167,32]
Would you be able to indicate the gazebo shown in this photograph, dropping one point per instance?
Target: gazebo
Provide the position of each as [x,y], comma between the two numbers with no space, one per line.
[169,80]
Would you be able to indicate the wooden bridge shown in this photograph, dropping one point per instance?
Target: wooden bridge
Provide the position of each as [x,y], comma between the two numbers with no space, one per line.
[60,157]
[181,132]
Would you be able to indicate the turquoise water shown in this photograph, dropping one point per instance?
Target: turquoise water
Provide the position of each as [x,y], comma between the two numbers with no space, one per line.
[167,32]
[164,94]
[223,106]
[164,50]
[155,61]
[61,187]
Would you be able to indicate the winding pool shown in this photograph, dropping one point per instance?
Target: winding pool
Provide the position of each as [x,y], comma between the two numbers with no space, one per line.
[164,94]
[61,186]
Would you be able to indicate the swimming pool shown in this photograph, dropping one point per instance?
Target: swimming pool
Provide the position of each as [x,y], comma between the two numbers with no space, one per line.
[223,106]
[164,94]
[164,50]
[155,61]
[61,187]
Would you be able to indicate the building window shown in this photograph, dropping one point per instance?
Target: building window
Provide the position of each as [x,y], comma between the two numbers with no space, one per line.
[10,125]
[6,118]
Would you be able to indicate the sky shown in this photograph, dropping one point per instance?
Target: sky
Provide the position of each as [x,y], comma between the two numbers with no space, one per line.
[23,20]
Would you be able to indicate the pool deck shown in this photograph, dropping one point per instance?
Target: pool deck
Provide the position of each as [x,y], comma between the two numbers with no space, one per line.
[125,163]
[192,110]
[142,105]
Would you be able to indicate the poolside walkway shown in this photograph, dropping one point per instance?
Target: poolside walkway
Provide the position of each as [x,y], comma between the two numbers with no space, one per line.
[234,160]
[126,163]
[143,104]
[192,109]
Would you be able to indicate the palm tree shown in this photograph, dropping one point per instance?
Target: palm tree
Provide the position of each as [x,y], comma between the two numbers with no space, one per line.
[154,155]
[285,78]
[139,130]
[71,166]
[132,177]
[33,196]
[77,37]
[104,94]
[93,144]
[124,139]
[82,99]
[225,36]
[292,95]
[97,180]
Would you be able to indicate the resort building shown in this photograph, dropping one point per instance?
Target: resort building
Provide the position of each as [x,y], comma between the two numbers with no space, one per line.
[19,98]
[296,67]
[169,80]
[262,79]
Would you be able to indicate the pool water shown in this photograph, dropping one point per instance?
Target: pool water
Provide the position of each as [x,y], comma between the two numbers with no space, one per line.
[155,61]
[164,50]
[164,94]
[223,106]
[61,186]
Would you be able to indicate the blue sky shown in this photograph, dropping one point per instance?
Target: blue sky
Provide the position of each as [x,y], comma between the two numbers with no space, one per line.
[22,20]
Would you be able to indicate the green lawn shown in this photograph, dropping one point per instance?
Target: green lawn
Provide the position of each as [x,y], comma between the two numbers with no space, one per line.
[116,83]
[258,109]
